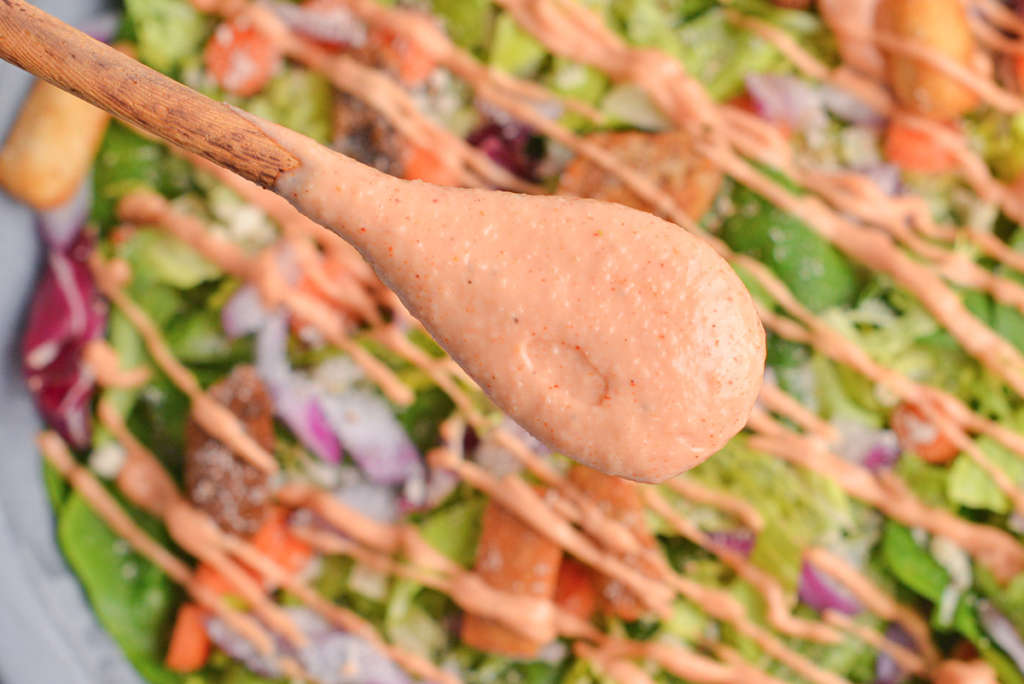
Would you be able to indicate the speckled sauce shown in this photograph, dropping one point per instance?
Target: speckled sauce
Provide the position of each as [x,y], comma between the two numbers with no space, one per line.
[608,333]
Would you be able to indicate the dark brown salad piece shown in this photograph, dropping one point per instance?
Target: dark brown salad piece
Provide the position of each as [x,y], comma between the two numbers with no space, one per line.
[668,160]
[232,491]
[364,135]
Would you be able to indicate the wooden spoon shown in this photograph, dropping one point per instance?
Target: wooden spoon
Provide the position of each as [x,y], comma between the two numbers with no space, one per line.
[53,51]
[612,336]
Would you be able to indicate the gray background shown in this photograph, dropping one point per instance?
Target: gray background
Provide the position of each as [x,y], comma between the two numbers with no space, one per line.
[47,633]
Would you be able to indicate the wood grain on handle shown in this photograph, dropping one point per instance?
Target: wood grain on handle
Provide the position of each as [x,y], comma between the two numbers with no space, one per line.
[55,52]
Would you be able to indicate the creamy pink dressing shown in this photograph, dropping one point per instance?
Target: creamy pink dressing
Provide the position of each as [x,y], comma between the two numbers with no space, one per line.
[861,54]
[570,314]
[102,360]
[621,671]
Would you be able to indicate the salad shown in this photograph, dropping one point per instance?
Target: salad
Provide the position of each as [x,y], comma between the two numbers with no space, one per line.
[263,470]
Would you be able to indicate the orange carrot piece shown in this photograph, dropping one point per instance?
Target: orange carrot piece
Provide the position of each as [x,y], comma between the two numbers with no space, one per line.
[745,102]
[241,58]
[576,591]
[189,647]
[275,541]
[620,500]
[513,558]
[406,59]
[419,163]
[917,434]
[912,149]
[208,577]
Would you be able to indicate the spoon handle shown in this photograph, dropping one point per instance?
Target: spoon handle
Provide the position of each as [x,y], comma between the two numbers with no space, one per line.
[53,51]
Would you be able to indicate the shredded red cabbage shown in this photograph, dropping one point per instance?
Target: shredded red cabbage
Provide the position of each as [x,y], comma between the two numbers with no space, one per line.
[887,670]
[821,593]
[65,314]
[507,145]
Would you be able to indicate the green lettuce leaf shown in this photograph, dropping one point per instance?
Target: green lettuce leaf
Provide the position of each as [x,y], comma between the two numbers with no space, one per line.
[168,32]
[719,54]
[424,417]
[819,276]
[513,49]
[1008,598]
[199,338]
[912,565]
[798,506]
[161,257]
[126,162]
[132,598]
[277,102]
[968,485]
[455,530]
[927,481]
[469,22]
[916,569]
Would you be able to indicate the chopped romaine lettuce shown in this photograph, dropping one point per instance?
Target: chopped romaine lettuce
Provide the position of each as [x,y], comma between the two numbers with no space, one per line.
[779,553]
[514,50]
[455,530]
[126,162]
[411,621]
[157,256]
[277,102]
[1002,140]
[720,54]
[969,485]
[928,482]
[581,82]
[911,564]
[199,338]
[799,507]
[687,622]
[469,22]
[131,351]
[1008,598]
[168,32]
[627,104]
[916,568]
[422,420]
